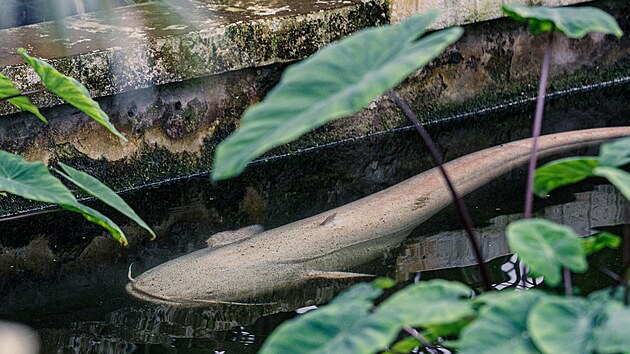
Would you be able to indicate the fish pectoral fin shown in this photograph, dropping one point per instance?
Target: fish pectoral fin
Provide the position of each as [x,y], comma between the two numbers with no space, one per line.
[316,274]
[227,237]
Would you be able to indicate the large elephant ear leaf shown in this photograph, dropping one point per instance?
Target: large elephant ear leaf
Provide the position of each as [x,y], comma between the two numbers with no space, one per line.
[574,22]
[7,89]
[32,180]
[70,90]
[545,247]
[97,189]
[335,82]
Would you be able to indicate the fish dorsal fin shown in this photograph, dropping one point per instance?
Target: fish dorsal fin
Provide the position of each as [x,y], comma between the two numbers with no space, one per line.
[227,237]
[316,274]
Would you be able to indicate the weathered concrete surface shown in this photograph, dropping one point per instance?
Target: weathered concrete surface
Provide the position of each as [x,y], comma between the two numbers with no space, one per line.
[461,12]
[174,127]
[155,43]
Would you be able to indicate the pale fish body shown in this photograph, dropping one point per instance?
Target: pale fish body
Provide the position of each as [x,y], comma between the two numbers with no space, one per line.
[337,240]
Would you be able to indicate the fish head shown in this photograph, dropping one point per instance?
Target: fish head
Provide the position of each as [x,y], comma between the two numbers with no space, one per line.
[205,277]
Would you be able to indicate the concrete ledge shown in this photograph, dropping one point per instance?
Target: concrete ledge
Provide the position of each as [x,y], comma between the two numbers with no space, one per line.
[156,43]
[461,12]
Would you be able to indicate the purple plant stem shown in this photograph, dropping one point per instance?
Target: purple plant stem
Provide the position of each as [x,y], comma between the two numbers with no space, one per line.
[459,203]
[540,106]
[568,290]
[626,253]
[25,93]
[425,343]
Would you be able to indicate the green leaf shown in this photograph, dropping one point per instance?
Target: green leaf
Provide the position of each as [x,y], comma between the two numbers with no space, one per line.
[574,22]
[337,81]
[22,102]
[99,219]
[600,241]
[561,173]
[32,180]
[562,325]
[406,345]
[94,187]
[612,335]
[619,178]
[545,247]
[502,326]
[326,329]
[615,153]
[69,90]
[429,303]
[347,325]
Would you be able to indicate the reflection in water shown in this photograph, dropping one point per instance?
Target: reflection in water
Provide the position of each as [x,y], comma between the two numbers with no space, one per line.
[600,207]
[238,328]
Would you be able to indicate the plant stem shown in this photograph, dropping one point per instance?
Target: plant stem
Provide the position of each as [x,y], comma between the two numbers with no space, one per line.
[540,106]
[25,93]
[568,290]
[459,203]
[425,343]
[626,253]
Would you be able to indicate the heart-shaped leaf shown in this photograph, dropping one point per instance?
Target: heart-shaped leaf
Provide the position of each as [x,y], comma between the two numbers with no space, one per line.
[562,325]
[574,22]
[545,247]
[619,178]
[94,187]
[32,180]
[561,173]
[335,82]
[429,303]
[502,326]
[70,90]
[7,89]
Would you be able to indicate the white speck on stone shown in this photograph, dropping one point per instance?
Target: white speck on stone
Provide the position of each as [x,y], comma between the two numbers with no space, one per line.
[175,27]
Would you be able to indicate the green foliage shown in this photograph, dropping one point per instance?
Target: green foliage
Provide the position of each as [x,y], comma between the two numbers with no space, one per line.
[571,170]
[70,90]
[7,89]
[337,81]
[545,247]
[561,173]
[97,189]
[562,325]
[600,241]
[501,327]
[574,22]
[327,330]
[342,328]
[32,180]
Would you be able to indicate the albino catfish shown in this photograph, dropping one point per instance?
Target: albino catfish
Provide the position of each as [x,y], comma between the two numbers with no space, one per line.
[255,262]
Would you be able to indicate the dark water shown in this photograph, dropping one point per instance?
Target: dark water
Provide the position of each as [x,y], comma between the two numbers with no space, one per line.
[65,277]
